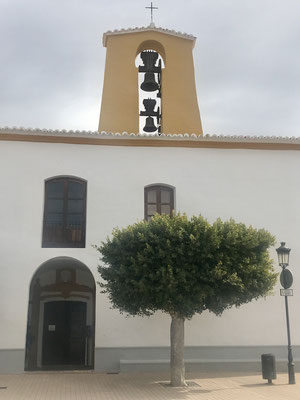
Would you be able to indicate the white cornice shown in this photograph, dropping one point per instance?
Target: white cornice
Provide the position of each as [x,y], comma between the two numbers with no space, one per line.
[154,137]
[150,28]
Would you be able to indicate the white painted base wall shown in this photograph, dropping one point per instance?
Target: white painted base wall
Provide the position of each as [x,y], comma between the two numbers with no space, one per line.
[244,184]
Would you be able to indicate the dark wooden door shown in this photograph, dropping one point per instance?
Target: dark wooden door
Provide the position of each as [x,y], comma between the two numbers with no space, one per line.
[64,333]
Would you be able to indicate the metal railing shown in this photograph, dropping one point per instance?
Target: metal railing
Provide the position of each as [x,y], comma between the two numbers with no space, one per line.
[72,234]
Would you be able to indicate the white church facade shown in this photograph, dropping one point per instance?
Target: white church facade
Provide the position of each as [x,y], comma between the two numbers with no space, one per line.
[63,192]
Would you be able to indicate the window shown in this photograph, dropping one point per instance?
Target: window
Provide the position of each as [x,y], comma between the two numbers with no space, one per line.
[158,199]
[64,213]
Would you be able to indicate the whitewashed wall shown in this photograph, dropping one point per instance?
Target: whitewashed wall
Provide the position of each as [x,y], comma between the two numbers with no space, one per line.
[258,187]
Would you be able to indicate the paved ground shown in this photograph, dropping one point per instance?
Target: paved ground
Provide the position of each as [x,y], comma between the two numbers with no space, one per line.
[90,386]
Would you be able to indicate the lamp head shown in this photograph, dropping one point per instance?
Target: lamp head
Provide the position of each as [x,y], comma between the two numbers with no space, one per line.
[283,255]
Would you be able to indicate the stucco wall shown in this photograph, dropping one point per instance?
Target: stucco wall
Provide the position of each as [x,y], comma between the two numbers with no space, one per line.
[244,184]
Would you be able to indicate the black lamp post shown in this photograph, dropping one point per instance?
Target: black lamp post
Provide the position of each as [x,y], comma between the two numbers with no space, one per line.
[286,279]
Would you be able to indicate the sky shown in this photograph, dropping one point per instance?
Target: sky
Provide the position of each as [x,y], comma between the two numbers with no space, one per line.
[247,61]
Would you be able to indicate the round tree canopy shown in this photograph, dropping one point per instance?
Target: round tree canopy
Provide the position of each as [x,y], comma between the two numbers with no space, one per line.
[185,266]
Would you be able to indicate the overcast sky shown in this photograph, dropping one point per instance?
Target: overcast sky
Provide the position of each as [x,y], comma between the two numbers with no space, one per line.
[247,60]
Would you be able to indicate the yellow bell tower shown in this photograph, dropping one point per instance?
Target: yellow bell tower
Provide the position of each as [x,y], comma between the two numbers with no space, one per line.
[179,112]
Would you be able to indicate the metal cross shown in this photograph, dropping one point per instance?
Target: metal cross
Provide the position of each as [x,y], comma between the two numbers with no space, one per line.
[152,8]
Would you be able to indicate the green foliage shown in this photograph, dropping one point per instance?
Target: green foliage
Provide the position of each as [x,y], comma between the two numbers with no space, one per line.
[185,266]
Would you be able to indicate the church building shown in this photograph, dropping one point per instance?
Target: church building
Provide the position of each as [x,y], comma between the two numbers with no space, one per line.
[64,191]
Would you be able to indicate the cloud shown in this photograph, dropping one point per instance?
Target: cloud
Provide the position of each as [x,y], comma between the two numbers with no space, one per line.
[247,61]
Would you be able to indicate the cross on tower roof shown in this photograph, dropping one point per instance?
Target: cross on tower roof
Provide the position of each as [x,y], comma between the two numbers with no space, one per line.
[152,8]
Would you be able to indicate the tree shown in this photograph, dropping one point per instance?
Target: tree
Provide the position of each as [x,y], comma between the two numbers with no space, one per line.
[184,266]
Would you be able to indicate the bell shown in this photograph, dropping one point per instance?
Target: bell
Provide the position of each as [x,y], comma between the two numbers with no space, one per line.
[149,84]
[149,127]
[149,105]
[149,59]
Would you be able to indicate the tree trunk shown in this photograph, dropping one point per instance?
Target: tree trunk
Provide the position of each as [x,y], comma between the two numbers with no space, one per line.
[177,351]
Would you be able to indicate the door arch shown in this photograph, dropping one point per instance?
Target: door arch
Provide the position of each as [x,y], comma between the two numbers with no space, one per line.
[61,317]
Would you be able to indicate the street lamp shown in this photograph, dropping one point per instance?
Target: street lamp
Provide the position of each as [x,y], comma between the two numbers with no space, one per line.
[283,255]
[286,280]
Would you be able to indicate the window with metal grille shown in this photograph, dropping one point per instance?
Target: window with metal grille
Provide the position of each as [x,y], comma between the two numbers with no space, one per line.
[158,199]
[64,212]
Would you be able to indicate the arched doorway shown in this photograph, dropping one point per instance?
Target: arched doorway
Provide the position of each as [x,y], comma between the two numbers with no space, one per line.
[61,317]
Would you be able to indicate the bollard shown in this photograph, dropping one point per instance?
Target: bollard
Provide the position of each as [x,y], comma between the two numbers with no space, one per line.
[268,367]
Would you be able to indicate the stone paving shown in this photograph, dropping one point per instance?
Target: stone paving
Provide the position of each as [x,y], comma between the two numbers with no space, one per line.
[143,386]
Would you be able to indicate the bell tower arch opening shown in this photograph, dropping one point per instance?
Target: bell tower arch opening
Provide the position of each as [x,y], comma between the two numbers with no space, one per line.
[61,317]
[150,64]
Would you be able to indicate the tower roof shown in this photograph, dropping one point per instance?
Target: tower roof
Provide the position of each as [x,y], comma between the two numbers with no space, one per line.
[150,28]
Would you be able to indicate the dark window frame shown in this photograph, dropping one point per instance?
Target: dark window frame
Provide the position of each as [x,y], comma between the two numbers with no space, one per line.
[68,236]
[158,188]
